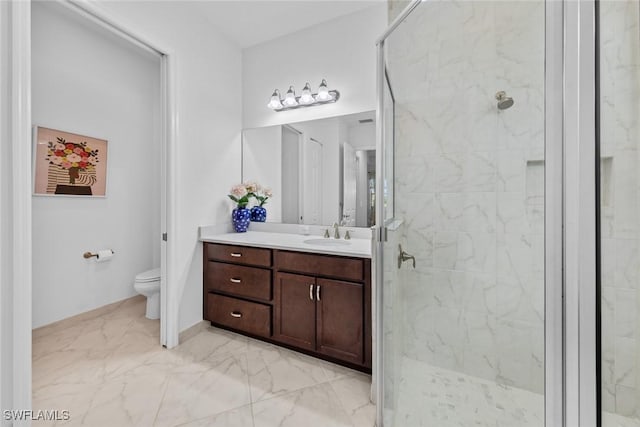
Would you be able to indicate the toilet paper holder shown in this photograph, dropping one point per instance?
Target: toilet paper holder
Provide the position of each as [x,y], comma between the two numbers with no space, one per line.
[88,255]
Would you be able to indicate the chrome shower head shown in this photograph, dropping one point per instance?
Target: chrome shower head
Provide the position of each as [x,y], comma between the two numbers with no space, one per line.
[504,101]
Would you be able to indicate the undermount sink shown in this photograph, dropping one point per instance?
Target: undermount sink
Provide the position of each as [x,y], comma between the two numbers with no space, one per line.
[326,242]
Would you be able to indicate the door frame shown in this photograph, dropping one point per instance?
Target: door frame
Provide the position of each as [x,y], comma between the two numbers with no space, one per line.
[306,142]
[580,207]
[293,130]
[21,210]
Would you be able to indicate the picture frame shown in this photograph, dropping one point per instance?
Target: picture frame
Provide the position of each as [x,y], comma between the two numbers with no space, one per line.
[69,164]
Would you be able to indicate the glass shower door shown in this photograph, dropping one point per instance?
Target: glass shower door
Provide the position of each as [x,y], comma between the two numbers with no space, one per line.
[463,180]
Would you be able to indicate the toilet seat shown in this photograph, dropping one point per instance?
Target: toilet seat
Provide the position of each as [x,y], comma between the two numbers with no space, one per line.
[148,276]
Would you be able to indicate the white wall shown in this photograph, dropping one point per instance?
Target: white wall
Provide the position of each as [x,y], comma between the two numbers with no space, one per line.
[208,71]
[342,50]
[262,162]
[362,136]
[89,81]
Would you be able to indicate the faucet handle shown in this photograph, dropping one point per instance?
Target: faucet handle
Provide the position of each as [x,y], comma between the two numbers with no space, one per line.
[347,236]
[326,233]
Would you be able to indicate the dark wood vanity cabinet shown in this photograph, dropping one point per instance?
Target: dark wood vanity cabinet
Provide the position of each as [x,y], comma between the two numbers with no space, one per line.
[323,315]
[340,319]
[295,313]
[318,304]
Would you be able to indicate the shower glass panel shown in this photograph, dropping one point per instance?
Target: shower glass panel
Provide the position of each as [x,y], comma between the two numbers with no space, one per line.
[619,143]
[463,331]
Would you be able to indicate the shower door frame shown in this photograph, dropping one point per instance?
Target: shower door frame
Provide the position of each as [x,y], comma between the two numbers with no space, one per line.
[579,216]
[570,240]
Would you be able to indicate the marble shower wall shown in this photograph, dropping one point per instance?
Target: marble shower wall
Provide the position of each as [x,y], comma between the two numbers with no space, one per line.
[395,7]
[470,186]
[620,213]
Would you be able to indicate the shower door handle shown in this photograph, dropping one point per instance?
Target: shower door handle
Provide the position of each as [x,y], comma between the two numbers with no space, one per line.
[403,256]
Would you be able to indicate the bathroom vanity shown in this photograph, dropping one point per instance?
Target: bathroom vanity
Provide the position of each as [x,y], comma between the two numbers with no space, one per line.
[312,297]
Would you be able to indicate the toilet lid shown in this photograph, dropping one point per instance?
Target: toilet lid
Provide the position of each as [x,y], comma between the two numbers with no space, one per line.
[148,276]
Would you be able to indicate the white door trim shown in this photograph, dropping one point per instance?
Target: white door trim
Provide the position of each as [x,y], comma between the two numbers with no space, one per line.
[21,203]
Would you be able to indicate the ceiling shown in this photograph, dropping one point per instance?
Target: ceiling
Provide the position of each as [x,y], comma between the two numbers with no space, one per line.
[251,22]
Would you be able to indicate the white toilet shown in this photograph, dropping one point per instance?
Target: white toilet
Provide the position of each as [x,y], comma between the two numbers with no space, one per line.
[148,284]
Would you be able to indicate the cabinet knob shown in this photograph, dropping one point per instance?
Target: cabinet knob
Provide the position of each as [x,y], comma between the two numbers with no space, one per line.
[235,254]
[311,292]
[318,292]
[234,280]
[236,314]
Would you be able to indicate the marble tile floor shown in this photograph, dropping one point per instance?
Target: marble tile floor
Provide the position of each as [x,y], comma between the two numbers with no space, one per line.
[447,398]
[107,369]
[429,396]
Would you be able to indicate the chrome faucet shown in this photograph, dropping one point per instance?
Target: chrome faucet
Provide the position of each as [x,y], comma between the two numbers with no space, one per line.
[336,233]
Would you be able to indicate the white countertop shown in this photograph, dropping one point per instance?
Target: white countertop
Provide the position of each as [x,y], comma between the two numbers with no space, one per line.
[356,247]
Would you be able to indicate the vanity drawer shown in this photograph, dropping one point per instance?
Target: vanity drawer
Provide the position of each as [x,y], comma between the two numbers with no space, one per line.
[239,280]
[239,254]
[238,314]
[321,265]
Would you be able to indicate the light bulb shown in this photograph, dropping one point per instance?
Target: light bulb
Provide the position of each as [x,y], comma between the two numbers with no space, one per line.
[323,92]
[275,102]
[290,98]
[306,98]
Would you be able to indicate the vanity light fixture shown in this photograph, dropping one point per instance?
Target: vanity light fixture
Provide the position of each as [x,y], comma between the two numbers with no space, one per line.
[306,99]
[290,98]
[323,92]
[275,103]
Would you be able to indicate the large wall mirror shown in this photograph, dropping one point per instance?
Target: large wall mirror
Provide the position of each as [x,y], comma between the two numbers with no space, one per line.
[320,171]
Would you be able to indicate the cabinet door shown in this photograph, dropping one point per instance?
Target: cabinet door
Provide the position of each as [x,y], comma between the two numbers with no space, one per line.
[295,317]
[340,312]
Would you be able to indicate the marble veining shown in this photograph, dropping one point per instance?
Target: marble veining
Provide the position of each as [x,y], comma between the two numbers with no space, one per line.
[469,185]
[620,207]
[470,190]
[433,396]
[107,368]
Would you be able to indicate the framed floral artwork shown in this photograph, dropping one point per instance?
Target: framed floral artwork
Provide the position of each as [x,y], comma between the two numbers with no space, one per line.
[68,164]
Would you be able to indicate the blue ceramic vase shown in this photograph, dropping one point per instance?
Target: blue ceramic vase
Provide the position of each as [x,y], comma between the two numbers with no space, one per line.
[240,217]
[258,214]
